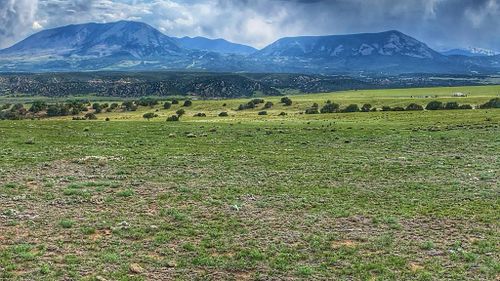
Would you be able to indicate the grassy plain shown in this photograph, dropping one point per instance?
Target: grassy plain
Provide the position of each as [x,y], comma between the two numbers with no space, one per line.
[358,196]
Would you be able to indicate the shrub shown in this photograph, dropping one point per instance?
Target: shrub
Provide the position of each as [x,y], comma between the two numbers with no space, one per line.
[38,106]
[107,119]
[398,108]
[366,107]
[257,101]
[175,102]
[201,114]
[149,116]
[451,105]
[113,106]
[414,107]
[282,114]
[263,113]
[493,103]
[167,105]
[97,107]
[187,103]
[312,110]
[223,114]
[465,106]
[351,108]
[386,108]
[129,106]
[268,105]
[173,118]
[434,105]
[180,112]
[249,105]
[90,116]
[286,101]
[330,107]
[147,102]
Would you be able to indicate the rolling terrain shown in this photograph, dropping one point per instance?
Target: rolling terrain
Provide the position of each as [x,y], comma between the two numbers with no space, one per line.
[386,195]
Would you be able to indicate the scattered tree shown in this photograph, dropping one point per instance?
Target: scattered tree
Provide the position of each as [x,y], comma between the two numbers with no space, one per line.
[149,116]
[414,107]
[434,105]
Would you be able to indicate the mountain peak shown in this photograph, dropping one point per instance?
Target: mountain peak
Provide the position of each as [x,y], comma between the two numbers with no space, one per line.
[387,43]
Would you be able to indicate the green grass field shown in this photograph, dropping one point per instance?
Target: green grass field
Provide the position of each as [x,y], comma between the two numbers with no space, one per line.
[342,196]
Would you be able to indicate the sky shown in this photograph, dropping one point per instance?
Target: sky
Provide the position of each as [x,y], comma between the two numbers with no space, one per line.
[442,24]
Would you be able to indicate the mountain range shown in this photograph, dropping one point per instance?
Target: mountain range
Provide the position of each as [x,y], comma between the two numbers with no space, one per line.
[128,45]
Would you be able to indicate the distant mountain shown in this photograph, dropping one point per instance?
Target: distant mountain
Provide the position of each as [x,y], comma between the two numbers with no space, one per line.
[470,52]
[214,45]
[390,43]
[390,51]
[123,38]
[128,45]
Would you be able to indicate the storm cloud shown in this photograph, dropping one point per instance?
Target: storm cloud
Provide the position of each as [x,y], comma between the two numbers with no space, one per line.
[440,23]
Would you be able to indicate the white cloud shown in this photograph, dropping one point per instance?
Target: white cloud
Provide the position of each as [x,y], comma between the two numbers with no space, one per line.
[260,22]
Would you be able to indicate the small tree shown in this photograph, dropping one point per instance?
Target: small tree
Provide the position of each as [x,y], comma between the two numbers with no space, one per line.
[38,106]
[173,118]
[451,105]
[330,107]
[414,107]
[493,103]
[180,112]
[149,116]
[97,107]
[312,110]
[90,116]
[286,101]
[351,108]
[187,103]
[434,105]
[268,105]
[366,107]
[167,105]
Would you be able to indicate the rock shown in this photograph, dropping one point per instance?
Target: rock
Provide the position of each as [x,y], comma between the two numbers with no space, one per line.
[136,268]
[171,136]
[100,278]
[191,136]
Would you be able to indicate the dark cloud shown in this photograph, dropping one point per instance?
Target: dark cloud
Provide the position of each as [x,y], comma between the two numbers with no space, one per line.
[440,23]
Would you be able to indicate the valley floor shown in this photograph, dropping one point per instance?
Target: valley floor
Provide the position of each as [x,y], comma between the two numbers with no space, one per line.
[361,196]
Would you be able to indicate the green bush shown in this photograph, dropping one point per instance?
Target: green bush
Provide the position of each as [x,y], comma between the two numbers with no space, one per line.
[493,103]
[167,105]
[312,110]
[434,105]
[223,114]
[187,103]
[366,107]
[149,116]
[90,116]
[268,105]
[173,118]
[180,112]
[262,112]
[200,114]
[451,105]
[330,107]
[414,107]
[286,101]
[351,108]
[465,106]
